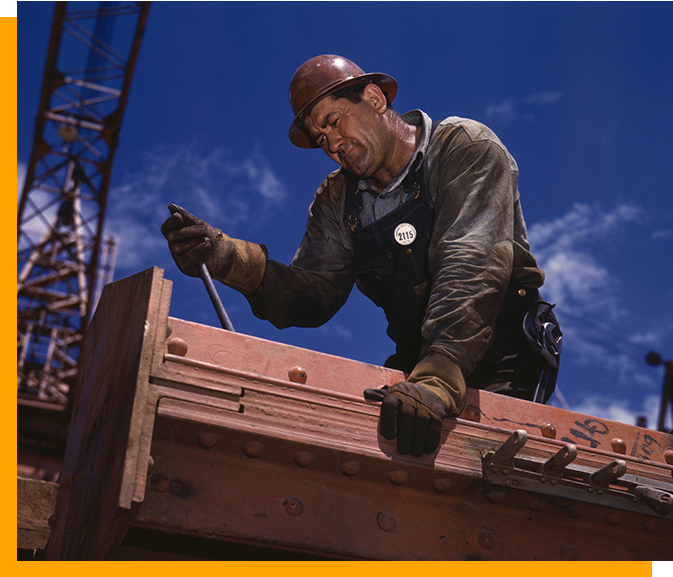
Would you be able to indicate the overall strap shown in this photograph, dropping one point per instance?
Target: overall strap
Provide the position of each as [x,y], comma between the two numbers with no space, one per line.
[353,202]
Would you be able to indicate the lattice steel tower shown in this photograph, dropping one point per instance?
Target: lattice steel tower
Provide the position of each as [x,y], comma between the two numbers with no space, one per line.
[91,57]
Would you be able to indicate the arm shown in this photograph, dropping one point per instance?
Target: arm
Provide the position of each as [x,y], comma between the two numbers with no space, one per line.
[471,250]
[318,281]
[307,293]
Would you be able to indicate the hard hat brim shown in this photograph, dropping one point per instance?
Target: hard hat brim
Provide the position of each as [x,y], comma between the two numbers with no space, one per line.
[298,135]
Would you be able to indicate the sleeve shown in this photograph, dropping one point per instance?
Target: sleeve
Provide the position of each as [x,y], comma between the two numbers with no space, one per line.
[471,247]
[310,291]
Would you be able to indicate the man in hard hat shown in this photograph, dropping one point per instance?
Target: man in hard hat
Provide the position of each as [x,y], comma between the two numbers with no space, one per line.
[425,218]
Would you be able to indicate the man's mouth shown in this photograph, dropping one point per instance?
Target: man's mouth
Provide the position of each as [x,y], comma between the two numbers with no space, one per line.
[346,152]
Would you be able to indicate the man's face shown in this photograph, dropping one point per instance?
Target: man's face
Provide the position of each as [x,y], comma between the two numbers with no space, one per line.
[351,134]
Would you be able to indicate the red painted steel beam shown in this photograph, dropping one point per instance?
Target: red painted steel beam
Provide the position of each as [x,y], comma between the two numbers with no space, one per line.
[199,431]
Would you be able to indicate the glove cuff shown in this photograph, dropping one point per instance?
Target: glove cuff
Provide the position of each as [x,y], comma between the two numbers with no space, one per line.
[248,266]
[444,378]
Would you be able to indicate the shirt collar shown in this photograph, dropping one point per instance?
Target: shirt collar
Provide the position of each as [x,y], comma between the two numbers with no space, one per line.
[415,118]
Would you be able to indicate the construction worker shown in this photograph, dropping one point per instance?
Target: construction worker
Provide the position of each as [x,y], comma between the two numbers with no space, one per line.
[425,218]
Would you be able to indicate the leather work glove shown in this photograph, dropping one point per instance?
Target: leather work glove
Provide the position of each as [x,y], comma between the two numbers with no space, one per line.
[413,410]
[236,263]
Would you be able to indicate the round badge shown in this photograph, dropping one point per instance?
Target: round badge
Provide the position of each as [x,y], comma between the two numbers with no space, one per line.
[405,233]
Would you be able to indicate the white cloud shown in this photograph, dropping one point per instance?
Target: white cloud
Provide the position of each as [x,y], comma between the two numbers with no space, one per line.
[662,234]
[227,191]
[574,277]
[333,330]
[509,110]
[563,247]
[584,223]
[543,98]
[590,305]
[504,112]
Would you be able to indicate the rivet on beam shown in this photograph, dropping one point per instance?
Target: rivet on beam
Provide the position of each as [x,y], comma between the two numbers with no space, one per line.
[668,456]
[398,477]
[548,431]
[614,518]
[206,439]
[472,413]
[350,468]
[486,539]
[386,521]
[536,503]
[618,446]
[293,506]
[441,485]
[297,375]
[304,458]
[568,553]
[253,449]
[161,482]
[495,494]
[177,346]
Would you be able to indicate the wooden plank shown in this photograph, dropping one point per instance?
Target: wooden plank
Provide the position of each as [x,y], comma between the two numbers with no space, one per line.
[96,498]
[36,501]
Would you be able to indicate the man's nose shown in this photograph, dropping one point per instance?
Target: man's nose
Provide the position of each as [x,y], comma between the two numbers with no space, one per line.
[334,141]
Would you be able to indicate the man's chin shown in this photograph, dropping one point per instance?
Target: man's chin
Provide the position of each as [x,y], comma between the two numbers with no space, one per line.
[354,169]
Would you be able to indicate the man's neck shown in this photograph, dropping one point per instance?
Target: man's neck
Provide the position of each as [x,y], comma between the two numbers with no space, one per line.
[404,141]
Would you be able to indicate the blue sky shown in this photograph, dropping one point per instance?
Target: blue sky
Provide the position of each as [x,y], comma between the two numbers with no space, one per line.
[580,93]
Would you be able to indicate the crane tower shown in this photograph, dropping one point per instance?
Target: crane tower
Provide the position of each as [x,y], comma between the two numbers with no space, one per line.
[91,57]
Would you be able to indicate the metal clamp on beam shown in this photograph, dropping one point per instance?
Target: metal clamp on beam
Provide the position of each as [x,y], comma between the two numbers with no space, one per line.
[608,474]
[504,455]
[659,500]
[555,465]
[554,477]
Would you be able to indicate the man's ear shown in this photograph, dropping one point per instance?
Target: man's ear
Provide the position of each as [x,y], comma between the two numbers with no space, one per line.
[374,95]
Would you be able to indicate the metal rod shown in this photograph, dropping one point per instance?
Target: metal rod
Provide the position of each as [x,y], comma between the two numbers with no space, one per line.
[215,298]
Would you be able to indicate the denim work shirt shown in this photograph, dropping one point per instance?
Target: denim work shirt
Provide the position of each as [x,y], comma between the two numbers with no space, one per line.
[478,241]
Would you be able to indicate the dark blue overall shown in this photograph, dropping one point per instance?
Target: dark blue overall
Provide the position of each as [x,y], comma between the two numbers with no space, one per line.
[397,278]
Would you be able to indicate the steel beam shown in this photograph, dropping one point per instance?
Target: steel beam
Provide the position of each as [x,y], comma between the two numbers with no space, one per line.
[199,431]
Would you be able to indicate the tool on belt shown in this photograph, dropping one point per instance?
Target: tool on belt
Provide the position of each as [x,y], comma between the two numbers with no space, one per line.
[545,340]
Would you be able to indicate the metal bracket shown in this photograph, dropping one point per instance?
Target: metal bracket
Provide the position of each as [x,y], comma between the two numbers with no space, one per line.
[609,486]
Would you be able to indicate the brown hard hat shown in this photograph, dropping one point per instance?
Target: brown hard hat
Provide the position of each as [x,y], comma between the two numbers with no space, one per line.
[321,76]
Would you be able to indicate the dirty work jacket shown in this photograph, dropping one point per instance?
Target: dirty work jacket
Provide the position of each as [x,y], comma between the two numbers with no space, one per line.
[478,241]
